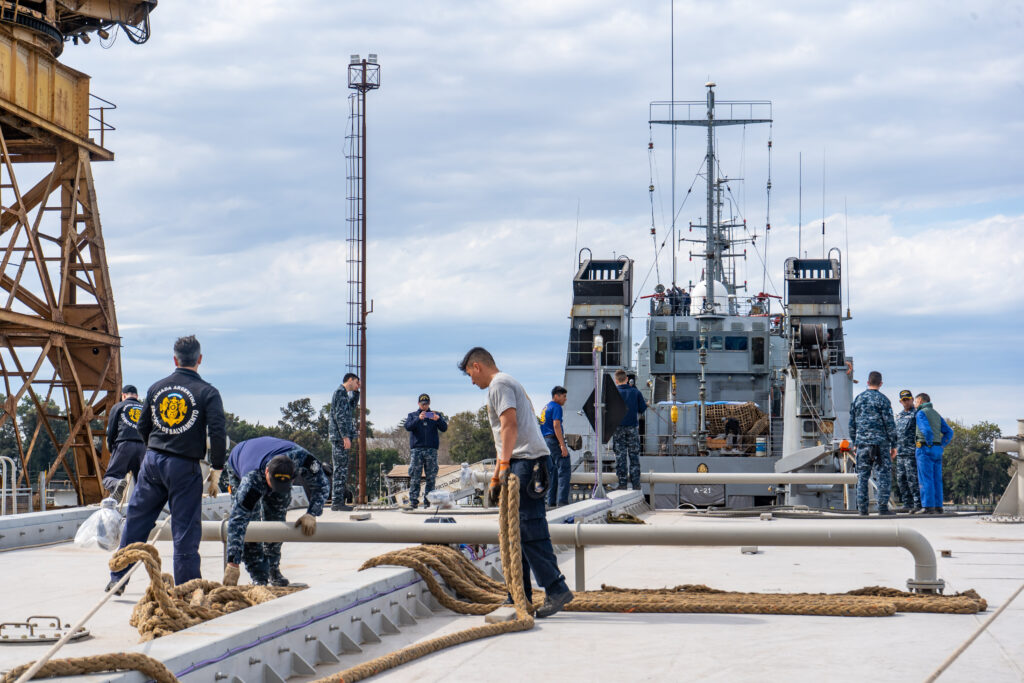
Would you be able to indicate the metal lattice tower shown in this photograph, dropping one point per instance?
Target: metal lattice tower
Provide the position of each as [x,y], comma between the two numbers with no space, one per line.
[354,197]
[59,344]
[363,76]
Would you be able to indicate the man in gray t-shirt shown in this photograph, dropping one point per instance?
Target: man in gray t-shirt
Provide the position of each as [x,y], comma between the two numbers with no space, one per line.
[505,392]
[520,448]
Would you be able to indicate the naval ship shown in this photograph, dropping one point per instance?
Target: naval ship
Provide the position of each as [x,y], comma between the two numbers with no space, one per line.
[773,371]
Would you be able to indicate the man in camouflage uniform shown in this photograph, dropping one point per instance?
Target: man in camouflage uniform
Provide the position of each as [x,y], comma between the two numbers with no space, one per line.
[423,425]
[873,434]
[260,473]
[626,438]
[907,488]
[341,425]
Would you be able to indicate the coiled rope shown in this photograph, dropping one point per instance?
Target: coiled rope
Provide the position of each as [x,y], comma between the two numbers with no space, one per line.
[166,608]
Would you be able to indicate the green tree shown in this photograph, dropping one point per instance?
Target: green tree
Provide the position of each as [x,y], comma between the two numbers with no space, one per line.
[971,472]
[239,429]
[379,461]
[469,436]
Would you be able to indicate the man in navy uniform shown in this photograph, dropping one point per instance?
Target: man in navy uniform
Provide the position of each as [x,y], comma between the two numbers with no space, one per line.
[626,437]
[423,425]
[907,488]
[873,435]
[559,461]
[261,472]
[342,431]
[179,412]
[124,442]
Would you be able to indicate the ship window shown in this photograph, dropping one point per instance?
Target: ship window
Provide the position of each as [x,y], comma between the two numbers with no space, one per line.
[757,350]
[735,343]
[716,343]
[682,344]
[660,347]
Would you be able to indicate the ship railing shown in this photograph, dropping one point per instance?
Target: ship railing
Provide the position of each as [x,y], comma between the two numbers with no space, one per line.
[581,353]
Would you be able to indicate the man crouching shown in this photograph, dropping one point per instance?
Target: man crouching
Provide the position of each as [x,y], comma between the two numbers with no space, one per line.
[260,472]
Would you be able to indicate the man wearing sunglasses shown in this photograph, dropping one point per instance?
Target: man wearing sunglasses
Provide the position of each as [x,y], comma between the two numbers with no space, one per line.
[424,426]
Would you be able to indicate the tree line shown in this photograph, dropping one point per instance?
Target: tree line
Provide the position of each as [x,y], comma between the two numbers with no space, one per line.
[468,438]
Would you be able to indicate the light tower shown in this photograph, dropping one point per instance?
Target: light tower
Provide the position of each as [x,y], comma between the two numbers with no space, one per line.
[363,76]
[59,345]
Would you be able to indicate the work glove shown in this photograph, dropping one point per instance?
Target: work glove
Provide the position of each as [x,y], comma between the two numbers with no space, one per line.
[308,524]
[214,488]
[500,477]
[231,573]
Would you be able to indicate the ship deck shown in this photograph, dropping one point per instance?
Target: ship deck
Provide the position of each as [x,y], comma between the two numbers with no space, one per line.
[65,581]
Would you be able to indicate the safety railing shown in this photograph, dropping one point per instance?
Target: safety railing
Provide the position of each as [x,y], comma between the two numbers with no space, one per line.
[97,115]
[581,535]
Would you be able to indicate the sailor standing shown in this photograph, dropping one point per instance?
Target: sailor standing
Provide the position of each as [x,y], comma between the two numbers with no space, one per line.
[933,435]
[423,425]
[559,463]
[260,472]
[179,412]
[522,451]
[341,427]
[873,434]
[124,442]
[626,437]
[907,488]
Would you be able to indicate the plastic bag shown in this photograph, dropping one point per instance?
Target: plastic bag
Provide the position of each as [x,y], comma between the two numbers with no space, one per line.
[102,529]
[442,499]
[466,478]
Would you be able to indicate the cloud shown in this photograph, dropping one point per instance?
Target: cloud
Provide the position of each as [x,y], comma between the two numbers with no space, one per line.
[226,207]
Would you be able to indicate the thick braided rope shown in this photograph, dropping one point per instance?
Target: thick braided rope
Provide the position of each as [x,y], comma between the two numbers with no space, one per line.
[116,661]
[508,515]
[166,608]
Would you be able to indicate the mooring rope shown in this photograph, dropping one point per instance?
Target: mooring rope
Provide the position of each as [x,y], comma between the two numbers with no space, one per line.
[166,608]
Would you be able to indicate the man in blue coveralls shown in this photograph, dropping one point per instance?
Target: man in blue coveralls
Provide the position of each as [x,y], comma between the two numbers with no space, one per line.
[179,412]
[626,438]
[933,435]
[261,472]
[559,461]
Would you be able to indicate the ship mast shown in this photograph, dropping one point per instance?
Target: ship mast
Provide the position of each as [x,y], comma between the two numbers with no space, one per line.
[725,113]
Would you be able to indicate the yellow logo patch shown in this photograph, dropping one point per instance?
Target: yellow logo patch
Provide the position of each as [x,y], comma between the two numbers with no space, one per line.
[134,414]
[702,468]
[173,410]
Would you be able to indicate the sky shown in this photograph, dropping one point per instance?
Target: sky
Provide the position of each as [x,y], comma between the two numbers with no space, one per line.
[506,135]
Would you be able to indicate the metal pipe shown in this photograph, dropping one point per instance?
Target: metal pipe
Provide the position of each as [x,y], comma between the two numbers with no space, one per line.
[726,478]
[5,479]
[704,534]
[705,478]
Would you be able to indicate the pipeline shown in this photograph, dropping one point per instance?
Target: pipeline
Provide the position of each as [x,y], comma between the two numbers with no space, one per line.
[579,535]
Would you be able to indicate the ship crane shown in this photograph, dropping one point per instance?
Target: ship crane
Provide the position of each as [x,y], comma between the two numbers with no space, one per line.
[59,344]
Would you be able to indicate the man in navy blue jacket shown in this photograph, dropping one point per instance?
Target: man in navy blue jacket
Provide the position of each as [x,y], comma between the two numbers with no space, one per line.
[423,425]
[626,438]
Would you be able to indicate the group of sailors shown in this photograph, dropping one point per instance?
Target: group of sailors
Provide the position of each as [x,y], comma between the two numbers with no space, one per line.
[162,440]
[913,441]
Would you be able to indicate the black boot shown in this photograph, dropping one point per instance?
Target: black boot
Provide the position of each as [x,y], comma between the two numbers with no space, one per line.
[276,579]
[554,603]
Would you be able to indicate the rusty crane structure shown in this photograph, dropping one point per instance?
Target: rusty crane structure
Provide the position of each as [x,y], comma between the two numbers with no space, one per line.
[59,343]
